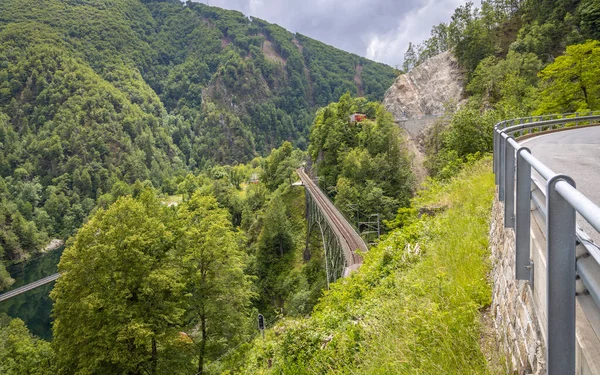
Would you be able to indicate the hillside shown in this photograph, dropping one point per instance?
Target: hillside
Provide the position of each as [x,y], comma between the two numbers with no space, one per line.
[174,58]
[97,95]
[426,90]
[140,132]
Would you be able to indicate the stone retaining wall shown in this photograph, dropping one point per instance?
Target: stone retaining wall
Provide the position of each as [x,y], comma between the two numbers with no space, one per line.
[512,305]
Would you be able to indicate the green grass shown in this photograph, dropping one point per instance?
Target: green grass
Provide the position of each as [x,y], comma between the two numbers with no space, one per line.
[413,308]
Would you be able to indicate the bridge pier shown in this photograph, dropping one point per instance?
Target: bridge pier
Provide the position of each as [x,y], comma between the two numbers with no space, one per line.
[334,254]
[340,240]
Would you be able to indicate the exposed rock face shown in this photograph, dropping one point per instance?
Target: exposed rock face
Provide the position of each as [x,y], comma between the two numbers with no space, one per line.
[425,90]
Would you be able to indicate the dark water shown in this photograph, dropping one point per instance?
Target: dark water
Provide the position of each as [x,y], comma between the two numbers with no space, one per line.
[34,306]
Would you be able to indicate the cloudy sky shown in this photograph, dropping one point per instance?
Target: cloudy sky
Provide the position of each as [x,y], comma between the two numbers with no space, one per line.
[377,29]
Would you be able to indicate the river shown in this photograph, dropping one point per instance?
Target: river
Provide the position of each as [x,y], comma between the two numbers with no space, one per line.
[33,307]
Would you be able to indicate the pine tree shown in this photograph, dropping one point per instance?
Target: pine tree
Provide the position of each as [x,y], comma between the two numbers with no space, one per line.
[410,58]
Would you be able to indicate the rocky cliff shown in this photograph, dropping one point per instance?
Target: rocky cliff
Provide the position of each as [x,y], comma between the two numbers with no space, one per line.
[419,97]
[424,91]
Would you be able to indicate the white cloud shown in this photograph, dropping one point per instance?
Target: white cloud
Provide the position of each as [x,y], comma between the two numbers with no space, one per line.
[414,26]
[377,29]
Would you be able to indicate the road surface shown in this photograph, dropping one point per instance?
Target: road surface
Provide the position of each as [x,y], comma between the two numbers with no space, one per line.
[575,153]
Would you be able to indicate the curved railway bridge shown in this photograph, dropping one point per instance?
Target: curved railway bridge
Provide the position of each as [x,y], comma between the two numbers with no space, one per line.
[340,239]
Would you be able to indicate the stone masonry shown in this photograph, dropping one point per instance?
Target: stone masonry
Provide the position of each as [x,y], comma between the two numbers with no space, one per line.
[515,321]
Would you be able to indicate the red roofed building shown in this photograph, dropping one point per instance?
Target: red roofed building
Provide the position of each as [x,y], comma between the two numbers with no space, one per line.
[357,117]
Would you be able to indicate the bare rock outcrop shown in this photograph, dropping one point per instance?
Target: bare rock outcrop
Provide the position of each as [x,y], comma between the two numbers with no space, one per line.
[418,98]
[424,91]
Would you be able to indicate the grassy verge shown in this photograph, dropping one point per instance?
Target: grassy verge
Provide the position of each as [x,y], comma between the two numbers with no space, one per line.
[414,307]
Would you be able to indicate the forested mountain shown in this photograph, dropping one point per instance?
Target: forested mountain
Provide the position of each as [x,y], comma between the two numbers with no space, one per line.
[518,58]
[109,107]
[96,95]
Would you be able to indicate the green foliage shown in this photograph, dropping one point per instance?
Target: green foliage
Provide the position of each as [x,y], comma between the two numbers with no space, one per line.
[275,254]
[257,72]
[436,44]
[470,36]
[536,38]
[589,12]
[213,265]
[462,138]
[157,272]
[410,58]
[280,166]
[502,48]
[131,303]
[570,83]
[508,84]
[366,163]
[95,97]
[413,307]
[20,352]
[471,132]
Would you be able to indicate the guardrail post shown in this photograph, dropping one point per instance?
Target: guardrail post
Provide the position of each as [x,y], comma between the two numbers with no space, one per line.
[497,154]
[501,169]
[495,151]
[560,283]
[523,217]
[509,183]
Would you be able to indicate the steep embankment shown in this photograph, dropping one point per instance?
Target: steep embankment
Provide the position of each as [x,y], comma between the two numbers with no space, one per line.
[414,305]
[426,89]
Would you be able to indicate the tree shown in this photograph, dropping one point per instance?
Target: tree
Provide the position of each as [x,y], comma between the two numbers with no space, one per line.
[117,302]
[589,11]
[410,58]
[356,155]
[469,37]
[274,254]
[470,131]
[508,84]
[571,83]
[212,263]
[436,44]
[22,353]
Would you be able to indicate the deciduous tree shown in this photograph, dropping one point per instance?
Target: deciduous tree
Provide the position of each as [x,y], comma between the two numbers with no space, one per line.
[118,300]
[571,82]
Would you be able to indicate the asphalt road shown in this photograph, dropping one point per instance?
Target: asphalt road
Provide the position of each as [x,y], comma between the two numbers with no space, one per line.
[575,153]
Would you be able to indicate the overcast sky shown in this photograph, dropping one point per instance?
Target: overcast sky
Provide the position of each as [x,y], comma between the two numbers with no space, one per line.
[377,29]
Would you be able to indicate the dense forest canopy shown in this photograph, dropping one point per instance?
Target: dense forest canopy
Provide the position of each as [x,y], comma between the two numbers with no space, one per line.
[96,96]
[365,165]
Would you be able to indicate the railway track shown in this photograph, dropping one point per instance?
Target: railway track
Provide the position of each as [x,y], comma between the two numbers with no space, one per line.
[348,237]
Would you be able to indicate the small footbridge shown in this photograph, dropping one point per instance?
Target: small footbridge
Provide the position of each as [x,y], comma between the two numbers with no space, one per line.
[28,287]
[340,239]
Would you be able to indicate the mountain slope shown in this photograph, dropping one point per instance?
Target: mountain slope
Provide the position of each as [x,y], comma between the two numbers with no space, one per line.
[270,79]
[98,95]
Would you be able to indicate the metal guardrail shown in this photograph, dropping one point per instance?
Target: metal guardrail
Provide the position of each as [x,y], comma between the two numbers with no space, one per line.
[558,202]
